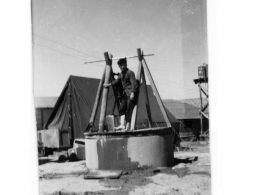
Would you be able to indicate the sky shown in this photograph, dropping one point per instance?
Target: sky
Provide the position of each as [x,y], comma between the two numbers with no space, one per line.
[67,33]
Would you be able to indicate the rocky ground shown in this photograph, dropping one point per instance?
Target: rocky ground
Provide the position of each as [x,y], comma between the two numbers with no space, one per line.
[191,175]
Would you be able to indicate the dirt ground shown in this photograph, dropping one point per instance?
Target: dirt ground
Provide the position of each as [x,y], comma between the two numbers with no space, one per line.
[191,175]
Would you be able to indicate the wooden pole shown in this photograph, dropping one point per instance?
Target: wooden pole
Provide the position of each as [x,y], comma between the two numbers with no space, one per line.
[138,78]
[95,107]
[117,58]
[105,93]
[156,93]
[147,101]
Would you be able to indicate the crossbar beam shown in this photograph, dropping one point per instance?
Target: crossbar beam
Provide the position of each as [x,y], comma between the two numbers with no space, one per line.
[117,58]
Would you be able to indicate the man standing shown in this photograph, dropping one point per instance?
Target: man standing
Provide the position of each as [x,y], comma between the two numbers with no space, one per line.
[130,91]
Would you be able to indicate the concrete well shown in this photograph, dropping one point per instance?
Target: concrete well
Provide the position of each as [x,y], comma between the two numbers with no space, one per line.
[129,150]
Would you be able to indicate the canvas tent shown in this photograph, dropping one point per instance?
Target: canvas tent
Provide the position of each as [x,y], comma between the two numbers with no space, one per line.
[74,106]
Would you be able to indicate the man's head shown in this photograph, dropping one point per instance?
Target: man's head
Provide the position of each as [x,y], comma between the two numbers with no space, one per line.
[122,64]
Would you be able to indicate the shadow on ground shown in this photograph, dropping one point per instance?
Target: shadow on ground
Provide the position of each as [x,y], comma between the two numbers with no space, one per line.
[188,167]
[44,160]
[187,160]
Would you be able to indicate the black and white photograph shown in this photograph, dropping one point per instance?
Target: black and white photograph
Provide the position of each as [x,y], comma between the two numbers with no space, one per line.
[121,97]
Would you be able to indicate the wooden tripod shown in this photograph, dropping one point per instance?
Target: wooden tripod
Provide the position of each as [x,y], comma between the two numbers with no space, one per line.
[103,91]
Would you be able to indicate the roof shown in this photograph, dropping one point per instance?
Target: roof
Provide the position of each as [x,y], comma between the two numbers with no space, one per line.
[197,103]
[194,101]
[182,110]
[45,102]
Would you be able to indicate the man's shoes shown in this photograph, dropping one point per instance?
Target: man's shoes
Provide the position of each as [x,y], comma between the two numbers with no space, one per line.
[122,123]
[128,126]
[119,127]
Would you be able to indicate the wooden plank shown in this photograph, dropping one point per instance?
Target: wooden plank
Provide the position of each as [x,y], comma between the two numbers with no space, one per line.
[105,93]
[156,93]
[204,91]
[204,108]
[95,107]
[102,174]
[204,115]
[147,101]
[117,58]
[149,131]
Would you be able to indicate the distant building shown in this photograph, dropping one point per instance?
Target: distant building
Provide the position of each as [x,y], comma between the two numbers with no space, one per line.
[187,112]
[43,108]
[196,102]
